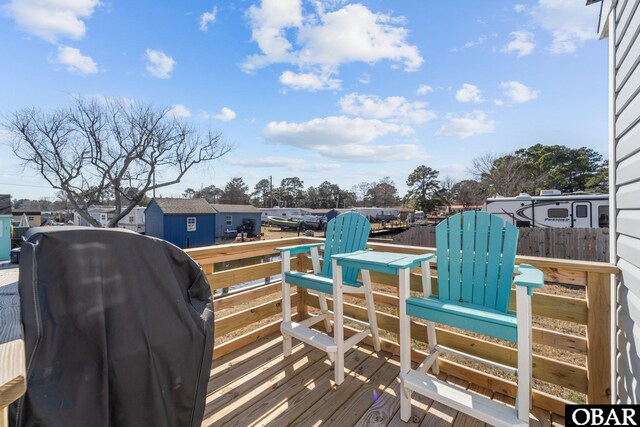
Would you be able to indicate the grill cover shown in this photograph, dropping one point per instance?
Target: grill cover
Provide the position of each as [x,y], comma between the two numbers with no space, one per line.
[118,330]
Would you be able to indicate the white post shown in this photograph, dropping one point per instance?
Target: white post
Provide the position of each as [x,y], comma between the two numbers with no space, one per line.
[338,335]
[523,314]
[405,344]
[315,260]
[286,303]
[431,327]
[371,309]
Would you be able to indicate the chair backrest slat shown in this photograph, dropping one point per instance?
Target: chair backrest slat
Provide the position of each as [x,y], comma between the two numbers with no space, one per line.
[480,267]
[468,258]
[509,248]
[442,260]
[454,257]
[348,232]
[476,257]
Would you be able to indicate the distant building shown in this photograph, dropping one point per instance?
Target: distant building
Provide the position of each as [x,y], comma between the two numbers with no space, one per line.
[327,214]
[231,219]
[34,217]
[134,221]
[186,223]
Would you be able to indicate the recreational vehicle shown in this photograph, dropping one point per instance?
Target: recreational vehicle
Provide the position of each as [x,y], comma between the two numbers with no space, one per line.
[552,209]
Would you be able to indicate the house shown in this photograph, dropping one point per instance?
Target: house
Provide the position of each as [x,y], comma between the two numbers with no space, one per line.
[406,214]
[619,23]
[34,217]
[187,223]
[134,220]
[231,219]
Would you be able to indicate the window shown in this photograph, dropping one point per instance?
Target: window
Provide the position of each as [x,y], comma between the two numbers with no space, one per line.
[191,223]
[603,216]
[131,221]
[558,213]
[103,217]
[581,211]
[229,219]
[30,218]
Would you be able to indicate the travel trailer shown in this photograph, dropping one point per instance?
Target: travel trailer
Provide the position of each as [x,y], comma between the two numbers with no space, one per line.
[552,209]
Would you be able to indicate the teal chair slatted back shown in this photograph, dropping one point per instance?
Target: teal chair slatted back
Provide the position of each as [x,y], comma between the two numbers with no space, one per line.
[476,254]
[348,232]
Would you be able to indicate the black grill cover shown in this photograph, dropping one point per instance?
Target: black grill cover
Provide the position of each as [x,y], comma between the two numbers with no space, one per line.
[118,330]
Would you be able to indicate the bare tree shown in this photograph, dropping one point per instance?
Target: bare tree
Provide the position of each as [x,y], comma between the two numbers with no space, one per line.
[502,175]
[96,150]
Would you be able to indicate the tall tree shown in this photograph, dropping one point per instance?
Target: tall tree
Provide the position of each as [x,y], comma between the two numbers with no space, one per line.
[599,182]
[94,148]
[261,193]
[468,193]
[502,175]
[292,190]
[235,192]
[423,187]
[328,195]
[210,193]
[384,193]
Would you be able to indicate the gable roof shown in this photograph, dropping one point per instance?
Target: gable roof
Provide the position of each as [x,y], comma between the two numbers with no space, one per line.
[220,208]
[175,206]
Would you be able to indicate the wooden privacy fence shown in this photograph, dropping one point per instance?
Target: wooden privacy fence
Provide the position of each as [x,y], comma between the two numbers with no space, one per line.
[593,311]
[587,244]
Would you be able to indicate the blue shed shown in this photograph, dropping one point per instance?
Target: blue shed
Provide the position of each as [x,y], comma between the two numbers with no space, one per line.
[231,219]
[187,223]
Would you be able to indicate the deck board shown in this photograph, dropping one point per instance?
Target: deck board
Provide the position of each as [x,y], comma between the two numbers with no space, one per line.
[257,386]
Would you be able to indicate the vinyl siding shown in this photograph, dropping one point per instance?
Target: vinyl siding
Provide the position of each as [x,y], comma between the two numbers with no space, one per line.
[626,125]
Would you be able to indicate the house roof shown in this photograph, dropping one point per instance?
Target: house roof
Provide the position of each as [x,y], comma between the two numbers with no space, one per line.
[220,208]
[18,212]
[174,206]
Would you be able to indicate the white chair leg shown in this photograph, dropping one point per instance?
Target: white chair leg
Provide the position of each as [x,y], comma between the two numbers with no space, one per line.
[523,314]
[324,309]
[371,309]
[286,304]
[405,343]
[405,404]
[338,335]
[432,342]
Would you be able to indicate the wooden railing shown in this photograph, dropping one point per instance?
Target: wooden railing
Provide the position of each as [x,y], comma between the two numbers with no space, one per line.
[254,312]
[592,312]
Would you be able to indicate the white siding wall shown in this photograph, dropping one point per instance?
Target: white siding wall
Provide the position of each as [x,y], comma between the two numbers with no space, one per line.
[624,30]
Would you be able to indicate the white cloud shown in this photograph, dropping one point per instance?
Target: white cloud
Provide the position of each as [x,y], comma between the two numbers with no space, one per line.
[471,43]
[293,164]
[51,19]
[522,43]
[498,102]
[469,93]
[570,23]
[309,81]
[468,125]
[344,138]
[160,64]
[179,111]
[424,89]
[365,79]
[208,18]
[394,108]
[519,8]
[324,41]
[518,92]
[75,61]
[226,114]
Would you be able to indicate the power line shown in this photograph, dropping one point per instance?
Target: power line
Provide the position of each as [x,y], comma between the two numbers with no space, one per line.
[24,185]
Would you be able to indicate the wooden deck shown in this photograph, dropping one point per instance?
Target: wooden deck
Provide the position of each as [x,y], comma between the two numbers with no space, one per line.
[256,385]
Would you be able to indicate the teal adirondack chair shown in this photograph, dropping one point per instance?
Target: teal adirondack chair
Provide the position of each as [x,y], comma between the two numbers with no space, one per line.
[475,259]
[348,232]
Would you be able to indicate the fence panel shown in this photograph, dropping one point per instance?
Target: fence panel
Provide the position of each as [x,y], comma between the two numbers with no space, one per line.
[587,244]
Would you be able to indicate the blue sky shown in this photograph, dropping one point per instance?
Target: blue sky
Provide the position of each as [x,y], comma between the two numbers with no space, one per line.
[323,90]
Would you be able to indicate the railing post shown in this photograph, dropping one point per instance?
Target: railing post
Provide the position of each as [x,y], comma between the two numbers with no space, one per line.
[302,292]
[598,338]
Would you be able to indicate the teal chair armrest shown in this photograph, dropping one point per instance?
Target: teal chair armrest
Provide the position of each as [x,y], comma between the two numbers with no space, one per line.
[298,249]
[530,277]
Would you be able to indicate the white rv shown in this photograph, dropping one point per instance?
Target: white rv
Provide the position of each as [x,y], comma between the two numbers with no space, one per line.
[552,209]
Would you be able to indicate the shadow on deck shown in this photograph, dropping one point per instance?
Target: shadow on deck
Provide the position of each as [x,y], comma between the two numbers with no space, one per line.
[256,385]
